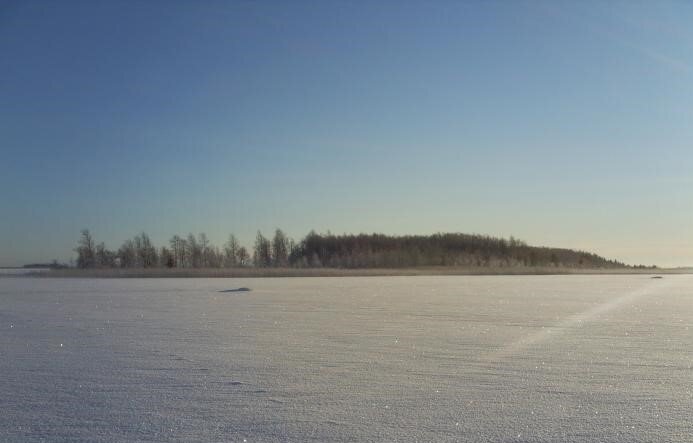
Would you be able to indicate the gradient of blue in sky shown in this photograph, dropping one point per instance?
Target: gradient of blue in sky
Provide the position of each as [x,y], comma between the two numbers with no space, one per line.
[561,123]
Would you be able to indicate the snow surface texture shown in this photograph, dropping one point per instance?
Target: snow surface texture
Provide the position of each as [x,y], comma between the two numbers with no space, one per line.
[492,358]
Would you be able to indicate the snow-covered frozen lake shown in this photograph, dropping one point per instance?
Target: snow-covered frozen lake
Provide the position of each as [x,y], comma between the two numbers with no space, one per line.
[493,358]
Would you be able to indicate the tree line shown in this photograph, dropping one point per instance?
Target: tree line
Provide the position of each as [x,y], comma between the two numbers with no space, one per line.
[329,250]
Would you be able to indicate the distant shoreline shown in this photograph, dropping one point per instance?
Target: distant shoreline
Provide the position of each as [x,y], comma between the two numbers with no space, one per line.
[334,272]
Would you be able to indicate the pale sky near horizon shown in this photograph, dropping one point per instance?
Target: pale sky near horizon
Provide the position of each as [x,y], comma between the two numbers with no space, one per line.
[566,124]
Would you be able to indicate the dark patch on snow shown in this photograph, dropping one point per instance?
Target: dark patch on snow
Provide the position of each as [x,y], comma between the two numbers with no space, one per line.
[657,276]
[236,290]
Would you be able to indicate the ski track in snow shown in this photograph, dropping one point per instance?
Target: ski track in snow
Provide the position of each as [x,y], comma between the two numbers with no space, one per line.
[579,320]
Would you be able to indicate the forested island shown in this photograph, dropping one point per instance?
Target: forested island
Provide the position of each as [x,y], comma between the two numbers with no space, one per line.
[345,251]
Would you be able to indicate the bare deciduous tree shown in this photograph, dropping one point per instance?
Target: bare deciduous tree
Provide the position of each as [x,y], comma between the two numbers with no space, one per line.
[262,256]
[231,252]
[127,254]
[280,249]
[105,258]
[178,251]
[166,258]
[86,253]
[194,252]
[243,256]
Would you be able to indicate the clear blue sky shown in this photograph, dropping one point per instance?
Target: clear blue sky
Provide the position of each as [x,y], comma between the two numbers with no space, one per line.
[566,124]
